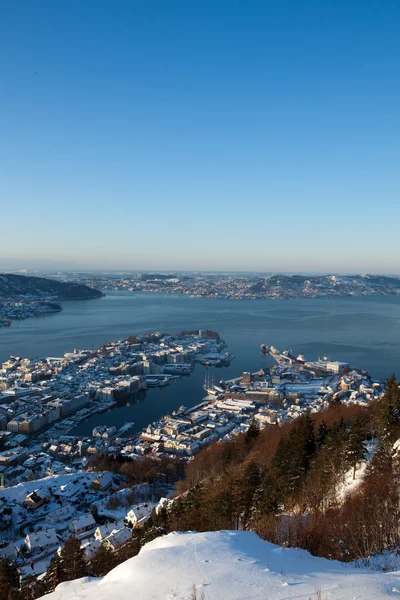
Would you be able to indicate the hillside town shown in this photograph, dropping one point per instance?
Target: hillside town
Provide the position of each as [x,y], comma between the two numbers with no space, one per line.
[36,518]
[46,491]
[244,286]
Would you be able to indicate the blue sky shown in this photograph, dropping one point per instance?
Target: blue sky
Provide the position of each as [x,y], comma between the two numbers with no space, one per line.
[200,135]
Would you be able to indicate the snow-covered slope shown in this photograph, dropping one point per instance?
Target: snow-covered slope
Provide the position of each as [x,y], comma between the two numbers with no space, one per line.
[229,565]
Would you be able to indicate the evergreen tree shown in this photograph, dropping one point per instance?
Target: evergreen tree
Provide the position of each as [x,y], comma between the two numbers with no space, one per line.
[253,432]
[244,489]
[224,510]
[355,451]
[387,423]
[103,561]
[151,534]
[322,434]
[381,462]
[310,445]
[137,540]
[393,393]
[73,558]
[293,456]
[32,588]
[55,573]
[95,513]
[266,497]
[9,580]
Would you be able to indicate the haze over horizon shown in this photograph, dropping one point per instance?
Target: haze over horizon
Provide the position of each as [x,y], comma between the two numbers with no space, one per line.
[200,136]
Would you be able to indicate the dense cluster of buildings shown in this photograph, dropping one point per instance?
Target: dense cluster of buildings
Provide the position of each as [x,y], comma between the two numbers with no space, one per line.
[42,399]
[271,396]
[37,517]
[250,286]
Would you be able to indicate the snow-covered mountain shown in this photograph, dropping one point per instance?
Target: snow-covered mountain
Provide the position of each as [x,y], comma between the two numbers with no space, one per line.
[229,565]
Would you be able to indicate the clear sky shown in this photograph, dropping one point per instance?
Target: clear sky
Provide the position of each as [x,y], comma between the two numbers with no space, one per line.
[183,134]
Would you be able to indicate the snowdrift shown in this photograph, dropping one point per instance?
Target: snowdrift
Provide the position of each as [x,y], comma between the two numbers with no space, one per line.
[229,565]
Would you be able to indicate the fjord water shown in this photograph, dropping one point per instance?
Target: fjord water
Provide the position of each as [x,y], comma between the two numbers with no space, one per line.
[362,331]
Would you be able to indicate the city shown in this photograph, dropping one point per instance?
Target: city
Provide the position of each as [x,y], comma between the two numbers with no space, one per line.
[46,490]
[200,300]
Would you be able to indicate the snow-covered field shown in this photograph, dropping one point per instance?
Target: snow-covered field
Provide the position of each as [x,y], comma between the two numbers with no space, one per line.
[230,565]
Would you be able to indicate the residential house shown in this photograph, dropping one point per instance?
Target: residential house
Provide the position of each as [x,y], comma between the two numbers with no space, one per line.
[103,482]
[41,540]
[82,524]
[36,499]
[118,538]
[138,515]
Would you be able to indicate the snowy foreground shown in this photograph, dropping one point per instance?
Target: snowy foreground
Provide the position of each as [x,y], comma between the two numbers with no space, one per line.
[229,565]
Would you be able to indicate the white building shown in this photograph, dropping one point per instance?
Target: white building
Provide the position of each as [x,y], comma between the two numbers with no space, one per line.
[41,540]
[138,515]
[118,537]
[82,524]
[103,531]
[60,515]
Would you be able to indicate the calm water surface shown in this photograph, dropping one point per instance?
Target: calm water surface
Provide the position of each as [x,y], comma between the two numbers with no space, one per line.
[364,332]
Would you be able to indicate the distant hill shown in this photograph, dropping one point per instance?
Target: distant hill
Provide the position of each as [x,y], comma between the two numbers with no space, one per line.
[22,286]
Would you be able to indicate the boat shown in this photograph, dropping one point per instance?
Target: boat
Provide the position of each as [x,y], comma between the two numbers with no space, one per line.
[153,382]
[210,388]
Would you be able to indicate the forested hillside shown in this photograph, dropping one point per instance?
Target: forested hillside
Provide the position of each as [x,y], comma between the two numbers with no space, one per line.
[287,483]
[19,286]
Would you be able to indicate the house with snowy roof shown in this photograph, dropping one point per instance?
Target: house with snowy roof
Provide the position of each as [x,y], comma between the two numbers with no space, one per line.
[103,482]
[104,531]
[118,538]
[60,515]
[36,499]
[68,490]
[41,540]
[90,548]
[82,524]
[138,515]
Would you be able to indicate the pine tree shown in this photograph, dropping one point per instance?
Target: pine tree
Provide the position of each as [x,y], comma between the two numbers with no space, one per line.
[322,434]
[266,497]
[74,562]
[253,432]
[151,534]
[137,540]
[355,451]
[224,509]
[103,561]
[310,445]
[33,588]
[55,573]
[381,463]
[243,490]
[9,580]
[95,513]
[387,423]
